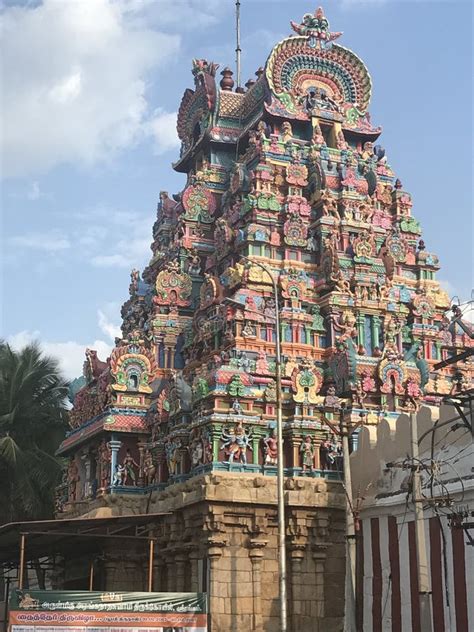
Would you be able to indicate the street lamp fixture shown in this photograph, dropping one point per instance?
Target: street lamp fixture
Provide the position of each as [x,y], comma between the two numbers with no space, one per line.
[279,428]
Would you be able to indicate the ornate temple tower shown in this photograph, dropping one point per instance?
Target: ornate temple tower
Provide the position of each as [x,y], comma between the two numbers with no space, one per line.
[285,173]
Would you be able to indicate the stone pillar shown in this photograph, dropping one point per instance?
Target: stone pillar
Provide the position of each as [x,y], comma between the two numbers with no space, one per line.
[360,329]
[255,447]
[180,570]
[194,558]
[170,575]
[86,486]
[110,569]
[256,554]
[297,610]
[215,444]
[317,604]
[114,446]
[158,575]
[216,603]
[375,332]
[295,451]
[141,451]
[317,455]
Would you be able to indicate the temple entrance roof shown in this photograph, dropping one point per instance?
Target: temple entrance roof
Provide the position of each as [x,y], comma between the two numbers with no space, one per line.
[47,538]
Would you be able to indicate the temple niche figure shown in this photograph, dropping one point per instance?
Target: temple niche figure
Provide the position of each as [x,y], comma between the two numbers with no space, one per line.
[129,464]
[270,448]
[328,454]
[73,479]
[235,443]
[307,452]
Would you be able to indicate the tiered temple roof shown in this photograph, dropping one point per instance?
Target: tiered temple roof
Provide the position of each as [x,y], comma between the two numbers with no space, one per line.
[285,174]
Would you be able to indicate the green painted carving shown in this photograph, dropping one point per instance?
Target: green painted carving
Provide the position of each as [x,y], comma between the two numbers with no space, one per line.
[236,387]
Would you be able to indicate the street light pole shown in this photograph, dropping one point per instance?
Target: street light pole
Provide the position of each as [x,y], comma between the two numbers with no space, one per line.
[349,618]
[424,588]
[280,470]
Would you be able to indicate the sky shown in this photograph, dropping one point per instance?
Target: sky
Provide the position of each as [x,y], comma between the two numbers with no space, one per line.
[90,92]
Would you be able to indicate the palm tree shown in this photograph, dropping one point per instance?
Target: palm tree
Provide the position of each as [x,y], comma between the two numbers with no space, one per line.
[33,421]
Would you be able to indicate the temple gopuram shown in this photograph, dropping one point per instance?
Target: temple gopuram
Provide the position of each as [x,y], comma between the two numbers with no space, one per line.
[286,183]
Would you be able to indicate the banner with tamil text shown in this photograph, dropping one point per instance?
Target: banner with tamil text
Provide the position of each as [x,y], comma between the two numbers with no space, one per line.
[82,611]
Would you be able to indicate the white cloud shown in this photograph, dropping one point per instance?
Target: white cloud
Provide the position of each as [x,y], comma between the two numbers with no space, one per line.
[74,81]
[181,14]
[114,250]
[111,330]
[34,192]
[358,3]
[103,237]
[162,128]
[70,354]
[128,253]
[67,90]
[456,293]
[105,322]
[54,241]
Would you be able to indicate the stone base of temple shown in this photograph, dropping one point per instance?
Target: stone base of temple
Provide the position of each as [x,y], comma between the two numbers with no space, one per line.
[220,537]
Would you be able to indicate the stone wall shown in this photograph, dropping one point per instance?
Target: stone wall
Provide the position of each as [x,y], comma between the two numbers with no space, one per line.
[220,536]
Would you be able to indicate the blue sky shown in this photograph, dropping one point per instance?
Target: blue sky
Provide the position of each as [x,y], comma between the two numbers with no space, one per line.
[90,95]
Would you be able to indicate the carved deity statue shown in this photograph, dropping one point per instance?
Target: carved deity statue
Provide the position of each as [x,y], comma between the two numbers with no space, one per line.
[307,454]
[270,448]
[149,469]
[235,443]
[329,205]
[286,132]
[130,464]
[120,475]
[73,479]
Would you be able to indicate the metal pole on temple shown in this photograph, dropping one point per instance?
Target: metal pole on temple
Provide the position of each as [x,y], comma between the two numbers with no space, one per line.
[91,576]
[350,607]
[280,460]
[238,50]
[151,556]
[424,588]
[22,561]
[280,469]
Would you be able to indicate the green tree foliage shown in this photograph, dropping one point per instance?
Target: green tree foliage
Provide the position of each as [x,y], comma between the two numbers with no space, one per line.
[33,421]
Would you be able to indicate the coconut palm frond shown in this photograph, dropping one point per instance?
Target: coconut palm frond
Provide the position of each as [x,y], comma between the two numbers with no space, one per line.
[33,421]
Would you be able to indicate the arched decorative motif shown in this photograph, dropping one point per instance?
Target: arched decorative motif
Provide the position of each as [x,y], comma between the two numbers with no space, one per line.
[308,66]
[423,305]
[199,203]
[294,284]
[295,232]
[197,105]
[297,175]
[392,374]
[204,76]
[293,68]
[133,368]
[394,249]
[306,383]
[173,287]
[210,292]
[364,245]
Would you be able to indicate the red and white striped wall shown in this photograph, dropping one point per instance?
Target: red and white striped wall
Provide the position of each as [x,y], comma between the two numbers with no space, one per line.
[387,580]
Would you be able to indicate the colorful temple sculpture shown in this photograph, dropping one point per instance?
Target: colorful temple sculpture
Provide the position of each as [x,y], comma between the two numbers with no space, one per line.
[285,182]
